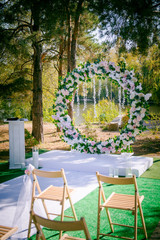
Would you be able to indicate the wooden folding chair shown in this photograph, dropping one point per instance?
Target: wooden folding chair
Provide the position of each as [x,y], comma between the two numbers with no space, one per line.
[119,201]
[60,226]
[6,232]
[53,193]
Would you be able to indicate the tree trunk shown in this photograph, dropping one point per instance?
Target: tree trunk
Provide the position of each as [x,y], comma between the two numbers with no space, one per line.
[60,60]
[74,45]
[75,34]
[69,42]
[60,63]
[37,115]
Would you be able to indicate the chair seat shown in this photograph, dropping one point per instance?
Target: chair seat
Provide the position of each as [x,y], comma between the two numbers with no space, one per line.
[53,193]
[121,201]
[6,232]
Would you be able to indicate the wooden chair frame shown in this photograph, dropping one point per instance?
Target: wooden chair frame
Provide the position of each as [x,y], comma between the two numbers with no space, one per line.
[119,201]
[60,226]
[6,232]
[53,193]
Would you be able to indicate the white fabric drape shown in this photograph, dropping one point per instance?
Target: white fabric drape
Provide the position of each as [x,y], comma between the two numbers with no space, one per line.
[22,213]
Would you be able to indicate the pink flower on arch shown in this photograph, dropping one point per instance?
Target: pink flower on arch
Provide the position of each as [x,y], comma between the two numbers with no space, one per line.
[93,143]
[91,149]
[130,134]
[76,75]
[104,149]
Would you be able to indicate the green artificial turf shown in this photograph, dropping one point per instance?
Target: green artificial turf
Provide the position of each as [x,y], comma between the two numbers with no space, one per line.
[8,174]
[154,170]
[149,186]
[87,207]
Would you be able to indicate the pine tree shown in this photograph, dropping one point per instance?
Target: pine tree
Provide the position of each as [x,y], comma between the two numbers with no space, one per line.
[30,22]
[137,22]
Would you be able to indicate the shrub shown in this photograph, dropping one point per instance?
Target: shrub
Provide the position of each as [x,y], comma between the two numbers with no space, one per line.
[154,116]
[29,139]
[106,111]
[124,120]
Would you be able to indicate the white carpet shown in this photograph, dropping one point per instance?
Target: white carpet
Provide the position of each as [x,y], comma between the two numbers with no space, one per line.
[80,170]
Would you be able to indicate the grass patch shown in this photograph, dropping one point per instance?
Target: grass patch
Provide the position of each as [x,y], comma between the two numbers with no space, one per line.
[153,171]
[8,174]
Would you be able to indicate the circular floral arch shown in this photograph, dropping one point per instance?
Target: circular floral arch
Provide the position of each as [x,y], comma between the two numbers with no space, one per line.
[124,78]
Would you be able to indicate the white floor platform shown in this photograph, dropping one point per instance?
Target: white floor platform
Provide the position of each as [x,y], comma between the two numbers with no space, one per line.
[80,171]
[82,162]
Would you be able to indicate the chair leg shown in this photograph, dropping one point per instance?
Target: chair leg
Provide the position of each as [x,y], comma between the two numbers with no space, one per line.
[109,219]
[30,218]
[45,208]
[143,222]
[29,226]
[73,210]
[135,225]
[40,235]
[98,222]
[37,236]
[62,216]
[71,204]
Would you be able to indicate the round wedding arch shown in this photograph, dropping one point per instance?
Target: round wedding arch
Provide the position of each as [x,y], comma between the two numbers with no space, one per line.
[132,88]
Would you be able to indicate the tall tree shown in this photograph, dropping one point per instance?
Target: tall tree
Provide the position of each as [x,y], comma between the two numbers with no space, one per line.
[137,22]
[76,22]
[31,21]
[37,109]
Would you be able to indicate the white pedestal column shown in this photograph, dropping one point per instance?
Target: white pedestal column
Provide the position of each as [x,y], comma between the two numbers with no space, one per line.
[16,144]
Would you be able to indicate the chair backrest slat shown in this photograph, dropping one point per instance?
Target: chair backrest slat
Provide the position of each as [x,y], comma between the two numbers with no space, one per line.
[47,174]
[59,225]
[62,225]
[6,232]
[118,181]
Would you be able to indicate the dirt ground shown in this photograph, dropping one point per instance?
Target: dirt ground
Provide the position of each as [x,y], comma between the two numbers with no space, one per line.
[146,144]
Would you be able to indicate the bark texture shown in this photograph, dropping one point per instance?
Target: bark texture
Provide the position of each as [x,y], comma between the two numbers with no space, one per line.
[37,113]
[37,110]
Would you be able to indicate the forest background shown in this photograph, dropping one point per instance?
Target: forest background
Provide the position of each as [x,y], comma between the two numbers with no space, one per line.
[43,40]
